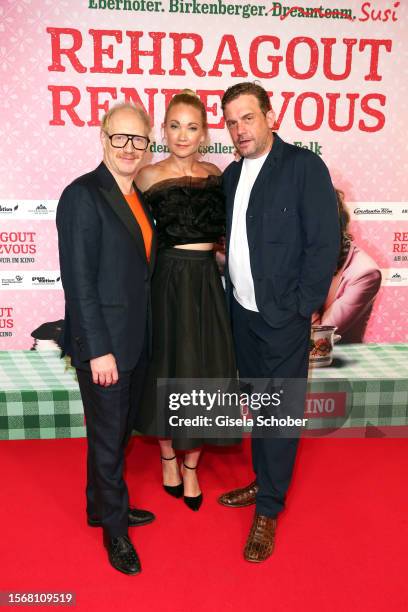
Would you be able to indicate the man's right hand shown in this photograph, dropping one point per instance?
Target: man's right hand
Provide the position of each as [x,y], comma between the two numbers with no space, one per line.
[104,370]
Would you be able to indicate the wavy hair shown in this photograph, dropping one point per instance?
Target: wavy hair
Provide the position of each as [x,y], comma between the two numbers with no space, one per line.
[345,237]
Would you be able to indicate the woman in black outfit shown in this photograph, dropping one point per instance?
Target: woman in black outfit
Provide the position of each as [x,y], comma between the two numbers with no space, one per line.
[191,333]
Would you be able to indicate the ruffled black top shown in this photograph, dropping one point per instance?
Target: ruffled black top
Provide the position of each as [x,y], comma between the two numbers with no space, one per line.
[187,209]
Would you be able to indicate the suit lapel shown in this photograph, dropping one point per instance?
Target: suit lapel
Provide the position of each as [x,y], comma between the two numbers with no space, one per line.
[121,208]
[149,216]
[231,189]
[111,193]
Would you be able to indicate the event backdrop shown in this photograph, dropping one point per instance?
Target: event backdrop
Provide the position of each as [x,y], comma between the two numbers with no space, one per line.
[337,78]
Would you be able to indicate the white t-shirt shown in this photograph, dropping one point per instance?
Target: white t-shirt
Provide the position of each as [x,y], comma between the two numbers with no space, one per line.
[238,256]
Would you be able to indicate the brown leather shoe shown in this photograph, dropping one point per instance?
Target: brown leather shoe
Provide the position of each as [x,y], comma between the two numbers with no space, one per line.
[261,539]
[239,498]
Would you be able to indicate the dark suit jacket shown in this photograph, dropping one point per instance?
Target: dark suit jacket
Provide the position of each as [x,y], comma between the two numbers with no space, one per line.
[293,232]
[105,272]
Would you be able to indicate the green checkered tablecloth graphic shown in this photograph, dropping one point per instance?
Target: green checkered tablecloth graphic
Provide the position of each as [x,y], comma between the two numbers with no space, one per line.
[40,398]
[374,378]
[366,362]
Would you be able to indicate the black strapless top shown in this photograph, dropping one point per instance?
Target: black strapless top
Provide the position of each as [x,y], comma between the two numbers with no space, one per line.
[187,209]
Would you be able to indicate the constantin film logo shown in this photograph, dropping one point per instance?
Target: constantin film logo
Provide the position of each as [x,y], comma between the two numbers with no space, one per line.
[378,211]
[373,211]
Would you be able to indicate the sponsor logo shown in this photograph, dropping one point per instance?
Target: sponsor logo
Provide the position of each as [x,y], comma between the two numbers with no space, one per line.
[378,211]
[372,211]
[394,277]
[41,209]
[7,209]
[28,209]
[12,281]
[31,280]
[45,280]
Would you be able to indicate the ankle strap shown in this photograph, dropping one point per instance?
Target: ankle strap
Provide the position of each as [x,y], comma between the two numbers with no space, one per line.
[189,467]
[168,458]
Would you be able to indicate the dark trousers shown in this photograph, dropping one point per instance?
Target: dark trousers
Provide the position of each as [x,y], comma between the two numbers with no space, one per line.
[110,415]
[265,352]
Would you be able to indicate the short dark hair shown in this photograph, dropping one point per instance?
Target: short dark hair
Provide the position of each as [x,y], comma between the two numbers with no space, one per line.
[247,88]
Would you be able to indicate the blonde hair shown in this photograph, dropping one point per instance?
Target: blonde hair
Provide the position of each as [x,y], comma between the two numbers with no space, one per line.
[136,108]
[190,98]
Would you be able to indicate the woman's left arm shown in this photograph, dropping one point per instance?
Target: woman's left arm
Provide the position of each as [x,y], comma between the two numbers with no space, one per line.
[358,295]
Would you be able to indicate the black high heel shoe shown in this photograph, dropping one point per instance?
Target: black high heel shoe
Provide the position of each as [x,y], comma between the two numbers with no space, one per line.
[175,490]
[194,503]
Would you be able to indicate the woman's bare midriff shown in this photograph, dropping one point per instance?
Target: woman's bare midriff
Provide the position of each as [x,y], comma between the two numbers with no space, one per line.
[200,246]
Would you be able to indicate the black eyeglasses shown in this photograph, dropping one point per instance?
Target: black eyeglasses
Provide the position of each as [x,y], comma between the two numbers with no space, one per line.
[119,141]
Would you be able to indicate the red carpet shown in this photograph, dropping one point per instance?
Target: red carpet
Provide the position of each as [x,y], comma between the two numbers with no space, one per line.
[341,543]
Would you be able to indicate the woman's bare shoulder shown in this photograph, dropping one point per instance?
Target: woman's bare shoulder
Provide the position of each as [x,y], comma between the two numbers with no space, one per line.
[211,168]
[149,175]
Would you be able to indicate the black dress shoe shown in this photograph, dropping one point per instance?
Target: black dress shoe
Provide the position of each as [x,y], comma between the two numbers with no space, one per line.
[194,503]
[137,518]
[122,555]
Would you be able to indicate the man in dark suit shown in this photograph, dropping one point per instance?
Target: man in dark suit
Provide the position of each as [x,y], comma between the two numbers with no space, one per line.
[107,246]
[281,249]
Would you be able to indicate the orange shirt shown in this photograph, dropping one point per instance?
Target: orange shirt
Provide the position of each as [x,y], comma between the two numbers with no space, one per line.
[143,221]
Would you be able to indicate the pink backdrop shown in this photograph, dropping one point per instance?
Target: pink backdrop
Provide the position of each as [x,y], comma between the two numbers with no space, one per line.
[364,146]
